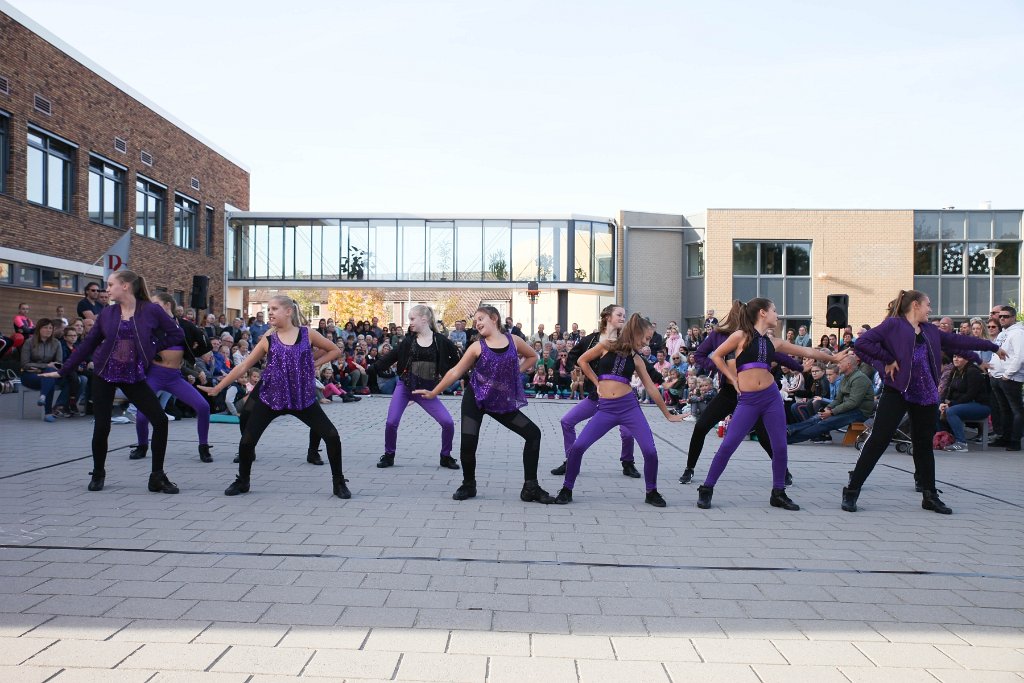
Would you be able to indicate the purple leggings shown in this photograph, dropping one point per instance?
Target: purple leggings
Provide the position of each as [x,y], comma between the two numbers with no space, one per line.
[767,405]
[435,409]
[623,412]
[584,410]
[160,378]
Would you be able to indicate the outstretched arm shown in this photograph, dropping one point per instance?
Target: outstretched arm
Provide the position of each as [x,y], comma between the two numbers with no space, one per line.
[468,361]
[227,380]
[652,391]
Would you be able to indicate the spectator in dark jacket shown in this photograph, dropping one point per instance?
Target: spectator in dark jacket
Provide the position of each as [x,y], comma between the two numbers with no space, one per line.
[966,398]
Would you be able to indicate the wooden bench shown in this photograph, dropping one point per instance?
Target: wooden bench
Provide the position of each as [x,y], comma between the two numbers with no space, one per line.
[852,432]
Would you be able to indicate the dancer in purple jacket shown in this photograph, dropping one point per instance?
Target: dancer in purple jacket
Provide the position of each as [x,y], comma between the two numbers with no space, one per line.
[122,347]
[907,350]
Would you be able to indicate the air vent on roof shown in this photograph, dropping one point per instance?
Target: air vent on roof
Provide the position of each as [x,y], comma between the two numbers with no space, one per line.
[120,145]
[195,184]
[147,158]
[43,105]
[5,86]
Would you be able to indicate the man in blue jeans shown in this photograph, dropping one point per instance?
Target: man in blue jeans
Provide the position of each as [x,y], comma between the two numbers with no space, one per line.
[853,403]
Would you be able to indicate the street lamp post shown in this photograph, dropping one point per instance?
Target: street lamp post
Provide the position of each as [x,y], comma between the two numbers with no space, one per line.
[991,254]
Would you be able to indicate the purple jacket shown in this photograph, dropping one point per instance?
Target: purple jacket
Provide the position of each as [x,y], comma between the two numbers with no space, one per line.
[149,318]
[716,339]
[893,340]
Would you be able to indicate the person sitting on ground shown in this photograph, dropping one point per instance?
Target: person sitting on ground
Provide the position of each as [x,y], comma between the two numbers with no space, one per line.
[576,385]
[854,402]
[966,398]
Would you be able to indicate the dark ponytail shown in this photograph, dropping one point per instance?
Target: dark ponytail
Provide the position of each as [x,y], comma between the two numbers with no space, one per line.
[750,315]
[631,338]
[731,322]
[903,301]
[137,282]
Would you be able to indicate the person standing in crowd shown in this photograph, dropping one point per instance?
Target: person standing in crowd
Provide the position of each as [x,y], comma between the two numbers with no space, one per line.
[258,328]
[89,306]
[803,337]
[458,335]
[657,341]
[494,389]
[710,321]
[423,357]
[759,397]
[40,354]
[287,387]
[907,349]
[539,335]
[613,319]
[122,349]
[164,374]
[725,401]
[574,335]
[1008,378]
[617,405]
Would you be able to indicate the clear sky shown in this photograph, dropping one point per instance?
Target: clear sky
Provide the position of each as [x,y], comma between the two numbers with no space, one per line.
[585,106]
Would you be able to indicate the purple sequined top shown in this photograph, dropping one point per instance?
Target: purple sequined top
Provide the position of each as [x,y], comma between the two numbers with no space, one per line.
[922,389]
[495,379]
[289,382]
[126,364]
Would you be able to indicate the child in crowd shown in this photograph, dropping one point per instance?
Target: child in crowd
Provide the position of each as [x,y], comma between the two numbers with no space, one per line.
[541,385]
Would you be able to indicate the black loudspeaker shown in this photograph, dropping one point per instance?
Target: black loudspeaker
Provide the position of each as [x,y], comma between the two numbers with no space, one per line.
[836,310]
[200,292]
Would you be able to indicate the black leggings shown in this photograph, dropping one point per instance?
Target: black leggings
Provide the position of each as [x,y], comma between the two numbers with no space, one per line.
[721,406]
[260,415]
[891,409]
[148,404]
[472,416]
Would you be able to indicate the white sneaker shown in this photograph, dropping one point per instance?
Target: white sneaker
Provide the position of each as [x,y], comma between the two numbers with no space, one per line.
[119,420]
[170,418]
[958,446]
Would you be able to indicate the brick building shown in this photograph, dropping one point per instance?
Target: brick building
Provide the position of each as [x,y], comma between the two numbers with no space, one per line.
[83,159]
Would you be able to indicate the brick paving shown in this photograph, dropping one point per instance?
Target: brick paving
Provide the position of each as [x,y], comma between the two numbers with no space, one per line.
[402,583]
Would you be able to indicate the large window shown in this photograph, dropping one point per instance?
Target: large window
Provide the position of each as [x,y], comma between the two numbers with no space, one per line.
[209,231]
[582,268]
[149,208]
[604,258]
[695,260]
[780,271]
[949,264]
[186,215]
[106,192]
[50,161]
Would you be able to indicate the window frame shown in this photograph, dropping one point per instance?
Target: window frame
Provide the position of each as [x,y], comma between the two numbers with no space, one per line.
[159,196]
[50,146]
[210,215]
[119,176]
[784,306]
[185,206]
[5,143]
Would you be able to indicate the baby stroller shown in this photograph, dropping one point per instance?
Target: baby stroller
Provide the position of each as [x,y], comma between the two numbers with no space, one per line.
[901,439]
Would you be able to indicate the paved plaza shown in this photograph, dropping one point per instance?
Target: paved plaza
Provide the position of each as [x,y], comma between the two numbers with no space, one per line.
[403,583]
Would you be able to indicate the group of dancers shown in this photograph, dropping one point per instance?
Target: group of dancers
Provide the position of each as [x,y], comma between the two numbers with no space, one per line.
[137,346]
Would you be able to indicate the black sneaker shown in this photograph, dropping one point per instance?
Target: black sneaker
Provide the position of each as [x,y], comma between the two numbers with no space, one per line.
[96,482]
[465,491]
[138,453]
[313,457]
[533,493]
[704,494]
[564,497]
[449,462]
[654,498]
[560,470]
[340,490]
[629,469]
[687,476]
[159,483]
[386,460]
[779,499]
[239,485]
[204,453]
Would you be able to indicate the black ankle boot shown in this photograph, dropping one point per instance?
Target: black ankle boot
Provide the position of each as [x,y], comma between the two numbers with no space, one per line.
[340,490]
[687,476]
[159,483]
[850,496]
[386,460]
[560,470]
[564,497]
[533,493]
[465,491]
[239,485]
[629,469]
[138,452]
[204,453]
[704,494]
[449,462]
[313,457]
[930,501]
[779,499]
[96,483]
[654,498]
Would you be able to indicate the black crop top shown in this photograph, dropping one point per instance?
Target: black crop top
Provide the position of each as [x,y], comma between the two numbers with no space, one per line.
[758,353]
[616,367]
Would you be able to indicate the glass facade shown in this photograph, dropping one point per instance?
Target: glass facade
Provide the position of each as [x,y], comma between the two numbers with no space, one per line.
[780,271]
[388,250]
[49,171]
[106,192]
[949,265]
